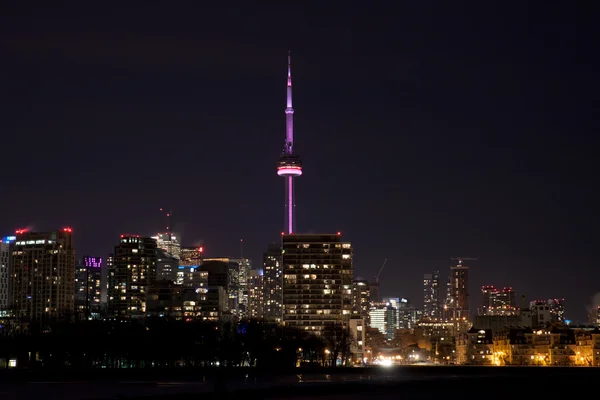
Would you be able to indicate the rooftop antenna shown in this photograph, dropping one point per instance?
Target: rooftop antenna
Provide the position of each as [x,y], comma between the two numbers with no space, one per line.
[242,249]
[167,220]
[461,259]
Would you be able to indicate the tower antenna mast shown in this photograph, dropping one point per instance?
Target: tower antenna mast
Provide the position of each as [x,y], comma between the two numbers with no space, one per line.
[289,165]
[167,220]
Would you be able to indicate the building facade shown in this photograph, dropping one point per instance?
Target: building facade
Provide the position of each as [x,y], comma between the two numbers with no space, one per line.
[498,302]
[361,296]
[317,281]
[256,304]
[43,271]
[5,273]
[132,274]
[457,305]
[431,295]
[88,287]
[272,280]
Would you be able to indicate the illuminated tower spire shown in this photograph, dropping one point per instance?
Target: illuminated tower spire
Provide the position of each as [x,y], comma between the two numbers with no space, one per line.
[289,111]
[289,165]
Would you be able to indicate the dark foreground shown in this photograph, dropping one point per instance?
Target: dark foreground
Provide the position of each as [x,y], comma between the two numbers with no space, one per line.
[422,382]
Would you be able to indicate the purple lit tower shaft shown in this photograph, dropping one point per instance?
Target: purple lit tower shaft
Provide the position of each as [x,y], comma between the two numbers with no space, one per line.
[289,165]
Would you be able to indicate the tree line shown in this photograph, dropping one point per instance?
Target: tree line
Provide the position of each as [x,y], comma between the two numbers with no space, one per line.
[164,343]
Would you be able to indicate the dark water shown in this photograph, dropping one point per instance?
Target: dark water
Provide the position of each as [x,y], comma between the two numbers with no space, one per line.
[373,383]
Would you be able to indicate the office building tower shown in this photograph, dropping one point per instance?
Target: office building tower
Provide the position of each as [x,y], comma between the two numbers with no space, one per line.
[431,295]
[486,296]
[361,296]
[88,287]
[384,317]
[169,243]
[214,302]
[255,294]
[457,301]
[108,266]
[237,289]
[374,292]
[317,281]
[43,271]
[289,165]
[5,273]
[557,310]
[241,268]
[133,273]
[272,281]
[498,302]
[191,256]
[167,266]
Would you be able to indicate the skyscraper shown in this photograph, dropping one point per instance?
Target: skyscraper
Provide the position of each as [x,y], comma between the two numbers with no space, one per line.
[5,272]
[457,301]
[43,278]
[255,294]
[289,165]
[237,289]
[191,256]
[132,274]
[317,281]
[168,242]
[88,286]
[272,283]
[431,295]
[498,302]
[361,295]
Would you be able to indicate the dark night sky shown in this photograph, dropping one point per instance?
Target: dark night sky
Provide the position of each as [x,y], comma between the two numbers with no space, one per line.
[427,129]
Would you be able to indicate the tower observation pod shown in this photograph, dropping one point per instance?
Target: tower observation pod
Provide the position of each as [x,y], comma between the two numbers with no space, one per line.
[289,165]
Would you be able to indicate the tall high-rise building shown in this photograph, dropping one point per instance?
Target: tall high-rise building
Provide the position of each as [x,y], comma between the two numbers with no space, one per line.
[132,274]
[384,317]
[108,266]
[361,296]
[457,301]
[431,295]
[168,242]
[5,272]
[486,295]
[289,165]
[191,256]
[237,289]
[88,286]
[43,272]
[214,302]
[167,266]
[317,281]
[255,294]
[498,302]
[243,266]
[272,281]
[557,310]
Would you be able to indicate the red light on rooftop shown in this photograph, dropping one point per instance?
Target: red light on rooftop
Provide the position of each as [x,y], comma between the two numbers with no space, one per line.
[339,233]
[122,236]
[282,233]
[21,231]
[201,249]
[69,230]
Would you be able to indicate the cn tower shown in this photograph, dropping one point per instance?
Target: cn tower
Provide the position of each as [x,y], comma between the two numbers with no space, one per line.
[289,165]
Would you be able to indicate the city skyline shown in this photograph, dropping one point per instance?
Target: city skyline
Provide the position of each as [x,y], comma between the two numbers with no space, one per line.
[461,151]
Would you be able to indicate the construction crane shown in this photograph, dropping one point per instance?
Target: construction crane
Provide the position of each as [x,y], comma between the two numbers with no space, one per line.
[461,259]
[379,273]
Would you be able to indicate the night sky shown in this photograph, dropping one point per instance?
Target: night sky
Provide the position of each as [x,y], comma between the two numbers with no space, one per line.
[427,130]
